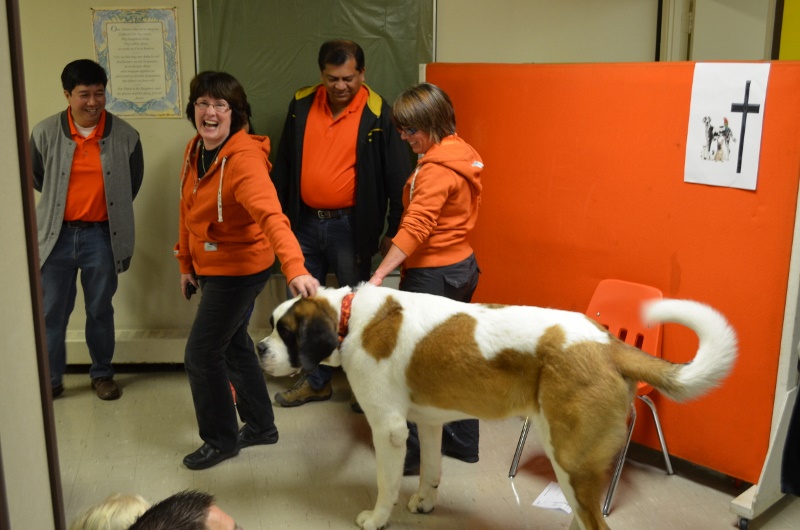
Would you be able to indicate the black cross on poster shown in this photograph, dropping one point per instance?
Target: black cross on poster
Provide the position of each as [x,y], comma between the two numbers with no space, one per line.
[744,108]
[723,141]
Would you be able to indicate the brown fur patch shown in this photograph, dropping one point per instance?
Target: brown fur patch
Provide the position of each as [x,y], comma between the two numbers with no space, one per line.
[640,366]
[494,306]
[585,401]
[448,370]
[306,309]
[379,337]
[583,397]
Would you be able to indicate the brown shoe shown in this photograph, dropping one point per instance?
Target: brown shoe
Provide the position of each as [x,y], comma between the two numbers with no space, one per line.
[302,393]
[106,388]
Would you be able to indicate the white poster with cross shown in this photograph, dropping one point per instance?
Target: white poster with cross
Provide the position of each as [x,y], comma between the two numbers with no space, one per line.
[723,142]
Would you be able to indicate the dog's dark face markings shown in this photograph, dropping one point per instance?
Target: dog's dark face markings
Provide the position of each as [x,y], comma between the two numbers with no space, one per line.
[309,331]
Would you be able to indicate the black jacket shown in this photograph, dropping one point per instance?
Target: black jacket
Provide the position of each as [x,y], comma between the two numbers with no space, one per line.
[383,164]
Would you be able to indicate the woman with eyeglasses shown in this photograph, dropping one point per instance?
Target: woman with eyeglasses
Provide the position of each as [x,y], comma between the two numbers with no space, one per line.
[441,200]
[231,228]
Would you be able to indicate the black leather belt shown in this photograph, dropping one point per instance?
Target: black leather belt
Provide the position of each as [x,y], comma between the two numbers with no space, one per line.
[331,214]
[84,224]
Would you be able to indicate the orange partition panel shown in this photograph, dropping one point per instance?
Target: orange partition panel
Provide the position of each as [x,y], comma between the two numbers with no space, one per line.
[584,181]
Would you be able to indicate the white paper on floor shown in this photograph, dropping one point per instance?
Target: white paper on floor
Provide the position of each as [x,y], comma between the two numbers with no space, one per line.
[552,498]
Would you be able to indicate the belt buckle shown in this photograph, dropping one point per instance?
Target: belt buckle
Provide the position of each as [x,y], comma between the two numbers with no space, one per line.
[323,214]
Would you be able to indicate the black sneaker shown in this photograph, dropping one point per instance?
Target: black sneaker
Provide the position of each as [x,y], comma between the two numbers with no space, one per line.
[207,456]
[247,437]
[468,458]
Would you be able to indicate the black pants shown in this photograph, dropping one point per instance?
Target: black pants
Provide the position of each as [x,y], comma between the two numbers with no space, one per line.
[220,351]
[457,282]
[790,466]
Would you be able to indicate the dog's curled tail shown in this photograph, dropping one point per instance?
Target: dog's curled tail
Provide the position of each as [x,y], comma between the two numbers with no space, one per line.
[716,351]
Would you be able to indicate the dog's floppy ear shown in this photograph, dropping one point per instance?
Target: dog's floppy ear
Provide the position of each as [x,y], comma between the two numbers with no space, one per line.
[316,339]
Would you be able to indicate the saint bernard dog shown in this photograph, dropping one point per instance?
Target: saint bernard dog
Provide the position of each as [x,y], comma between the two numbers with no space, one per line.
[432,360]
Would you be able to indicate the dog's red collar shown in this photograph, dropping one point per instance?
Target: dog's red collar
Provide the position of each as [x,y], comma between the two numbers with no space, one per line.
[344,318]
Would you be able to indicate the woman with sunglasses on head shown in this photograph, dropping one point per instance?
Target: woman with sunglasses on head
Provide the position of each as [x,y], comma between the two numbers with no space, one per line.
[231,227]
[440,199]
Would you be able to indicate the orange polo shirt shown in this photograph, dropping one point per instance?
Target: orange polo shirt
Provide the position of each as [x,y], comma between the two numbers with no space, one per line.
[86,195]
[328,174]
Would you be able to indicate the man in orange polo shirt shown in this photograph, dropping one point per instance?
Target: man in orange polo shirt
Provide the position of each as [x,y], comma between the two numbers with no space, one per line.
[339,173]
[88,166]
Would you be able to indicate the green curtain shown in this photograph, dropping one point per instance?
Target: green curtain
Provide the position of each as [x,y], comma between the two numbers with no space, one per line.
[271,46]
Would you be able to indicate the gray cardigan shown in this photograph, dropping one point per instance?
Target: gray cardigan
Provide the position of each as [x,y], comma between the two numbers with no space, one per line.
[52,149]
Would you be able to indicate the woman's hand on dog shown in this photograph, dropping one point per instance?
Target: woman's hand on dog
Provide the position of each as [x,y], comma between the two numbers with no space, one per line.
[305,285]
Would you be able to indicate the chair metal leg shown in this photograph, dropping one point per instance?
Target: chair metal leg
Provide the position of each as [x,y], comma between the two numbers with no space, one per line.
[664,451]
[620,462]
[512,472]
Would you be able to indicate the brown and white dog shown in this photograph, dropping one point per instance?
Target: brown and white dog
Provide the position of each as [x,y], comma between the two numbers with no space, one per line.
[432,360]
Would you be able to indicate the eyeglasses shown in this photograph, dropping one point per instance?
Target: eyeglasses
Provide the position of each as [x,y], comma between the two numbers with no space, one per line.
[219,107]
[409,131]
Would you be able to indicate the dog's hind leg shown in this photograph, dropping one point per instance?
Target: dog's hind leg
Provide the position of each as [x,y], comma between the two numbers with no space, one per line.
[389,434]
[430,445]
[583,490]
[581,458]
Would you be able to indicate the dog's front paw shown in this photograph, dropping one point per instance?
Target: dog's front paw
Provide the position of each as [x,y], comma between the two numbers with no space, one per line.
[368,521]
[419,504]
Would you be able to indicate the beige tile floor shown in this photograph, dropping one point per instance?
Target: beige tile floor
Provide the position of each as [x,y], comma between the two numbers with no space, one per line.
[322,472]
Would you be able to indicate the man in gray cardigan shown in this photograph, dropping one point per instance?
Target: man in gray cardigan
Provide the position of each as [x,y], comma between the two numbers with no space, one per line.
[88,166]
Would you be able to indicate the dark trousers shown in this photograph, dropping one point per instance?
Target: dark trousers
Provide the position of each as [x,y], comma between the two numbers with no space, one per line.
[219,351]
[457,282]
[790,465]
[328,245]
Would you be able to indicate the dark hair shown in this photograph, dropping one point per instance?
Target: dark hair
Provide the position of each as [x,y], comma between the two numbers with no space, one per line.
[337,52]
[186,510]
[83,72]
[425,107]
[220,85]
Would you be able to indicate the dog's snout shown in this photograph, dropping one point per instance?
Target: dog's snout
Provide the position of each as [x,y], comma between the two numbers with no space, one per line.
[261,347]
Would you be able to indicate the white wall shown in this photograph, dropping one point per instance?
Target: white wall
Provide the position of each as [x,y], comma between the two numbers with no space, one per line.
[571,31]
[739,30]
[24,457]
[546,31]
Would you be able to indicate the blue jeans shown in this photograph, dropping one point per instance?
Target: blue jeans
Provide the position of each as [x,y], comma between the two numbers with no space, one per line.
[329,245]
[219,350]
[87,250]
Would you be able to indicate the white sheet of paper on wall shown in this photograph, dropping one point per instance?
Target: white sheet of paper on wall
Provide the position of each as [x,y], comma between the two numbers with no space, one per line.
[723,142]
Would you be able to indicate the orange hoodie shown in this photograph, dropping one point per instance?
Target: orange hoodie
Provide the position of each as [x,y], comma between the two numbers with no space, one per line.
[441,200]
[231,219]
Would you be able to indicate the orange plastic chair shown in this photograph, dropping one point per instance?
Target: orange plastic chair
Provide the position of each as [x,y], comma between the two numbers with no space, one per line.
[617,305]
